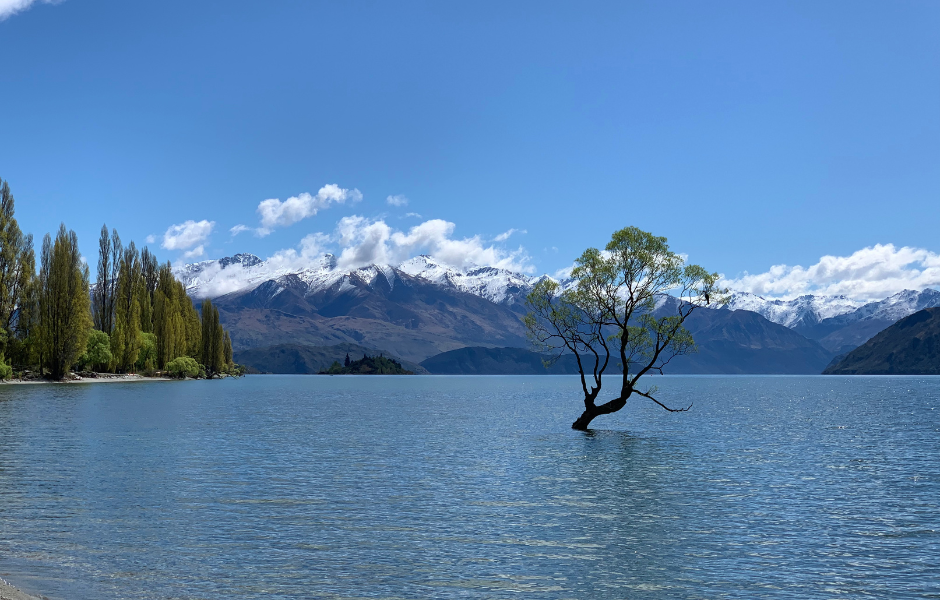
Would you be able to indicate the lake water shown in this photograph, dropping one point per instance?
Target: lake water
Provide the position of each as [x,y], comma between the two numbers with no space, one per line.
[471,487]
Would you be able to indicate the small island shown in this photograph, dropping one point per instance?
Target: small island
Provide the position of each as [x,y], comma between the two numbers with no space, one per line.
[367,365]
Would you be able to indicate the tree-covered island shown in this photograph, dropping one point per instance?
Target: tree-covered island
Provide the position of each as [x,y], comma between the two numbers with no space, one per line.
[136,318]
[367,365]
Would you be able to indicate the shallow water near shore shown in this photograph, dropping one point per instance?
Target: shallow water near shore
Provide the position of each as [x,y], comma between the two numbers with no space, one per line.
[471,487]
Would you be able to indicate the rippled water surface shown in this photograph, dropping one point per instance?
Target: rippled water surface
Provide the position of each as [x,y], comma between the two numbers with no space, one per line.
[471,487]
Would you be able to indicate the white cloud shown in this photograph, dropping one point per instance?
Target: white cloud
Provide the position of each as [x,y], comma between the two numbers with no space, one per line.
[413,214]
[195,252]
[150,239]
[358,241]
[8,8]
[187,234]
[239,229]
[505,235]
[275,213]
[871,273]
[364,242]
[397,200]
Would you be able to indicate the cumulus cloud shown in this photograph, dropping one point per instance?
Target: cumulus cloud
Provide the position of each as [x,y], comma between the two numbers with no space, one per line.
[275,213]
[413,214]
[505,235]
[871,273]
[187,234]
[8,8]
[239,229]
[365,242]
[358,241]
[195,252]
[397,200]
[150,239]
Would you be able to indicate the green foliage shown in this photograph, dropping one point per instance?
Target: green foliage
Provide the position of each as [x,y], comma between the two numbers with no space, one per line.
[610,312]
[6,371]
[175,320]
[368,365]
[227,349]
[147,357]
[126,340]
[17,263]
[110,252]
[213,339]
[97,351]
[183,366]
[65,307]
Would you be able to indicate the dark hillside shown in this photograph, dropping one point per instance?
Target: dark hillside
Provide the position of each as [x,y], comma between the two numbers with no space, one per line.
[909,347]
[303,359]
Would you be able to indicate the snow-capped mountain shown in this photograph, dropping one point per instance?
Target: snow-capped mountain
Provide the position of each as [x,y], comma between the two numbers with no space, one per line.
[804,310]
[496,285]
[900,305]
[213,278]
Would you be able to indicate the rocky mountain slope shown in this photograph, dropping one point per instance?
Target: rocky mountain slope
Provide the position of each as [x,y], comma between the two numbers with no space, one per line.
[909,347]
[375,307]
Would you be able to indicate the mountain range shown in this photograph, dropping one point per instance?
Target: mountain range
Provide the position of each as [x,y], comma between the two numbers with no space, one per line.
[422,307]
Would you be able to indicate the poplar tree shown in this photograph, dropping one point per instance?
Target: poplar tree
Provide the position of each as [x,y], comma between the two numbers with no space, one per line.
[218,344]
[17,264]
[100,301]
[25,345]
[146,308]
[151,271]
[176,323]
[64,302]
[110,252]
[126,340]
[227,345]
[205,352]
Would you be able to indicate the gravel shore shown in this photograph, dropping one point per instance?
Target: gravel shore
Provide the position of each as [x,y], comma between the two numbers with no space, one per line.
[8,592]
[101,378]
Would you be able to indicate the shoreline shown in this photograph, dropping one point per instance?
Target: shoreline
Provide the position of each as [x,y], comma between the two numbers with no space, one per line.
[104,378]
[9,592]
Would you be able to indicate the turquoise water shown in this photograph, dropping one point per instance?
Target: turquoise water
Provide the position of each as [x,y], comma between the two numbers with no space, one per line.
[471,487]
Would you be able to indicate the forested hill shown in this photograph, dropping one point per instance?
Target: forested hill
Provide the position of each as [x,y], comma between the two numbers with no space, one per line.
[909,347]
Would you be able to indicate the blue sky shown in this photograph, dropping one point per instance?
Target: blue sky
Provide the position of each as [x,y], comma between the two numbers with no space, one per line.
[751,134]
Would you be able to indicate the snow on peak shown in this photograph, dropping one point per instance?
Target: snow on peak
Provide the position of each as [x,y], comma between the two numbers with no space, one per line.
[492,283]
[212,278]
[805,310]
[900,305]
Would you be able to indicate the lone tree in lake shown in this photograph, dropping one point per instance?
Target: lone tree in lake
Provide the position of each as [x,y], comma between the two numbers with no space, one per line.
[611,309]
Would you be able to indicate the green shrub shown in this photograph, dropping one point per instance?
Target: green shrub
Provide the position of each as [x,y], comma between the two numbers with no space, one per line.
[147,355]
[6,371]
[183,366]
[97,351]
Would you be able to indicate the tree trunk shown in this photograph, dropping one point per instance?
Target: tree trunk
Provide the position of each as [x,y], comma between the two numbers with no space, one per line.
[591,412]
[584,420]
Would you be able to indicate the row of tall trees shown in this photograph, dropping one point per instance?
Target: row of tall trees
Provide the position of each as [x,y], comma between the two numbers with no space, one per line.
[136,317]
